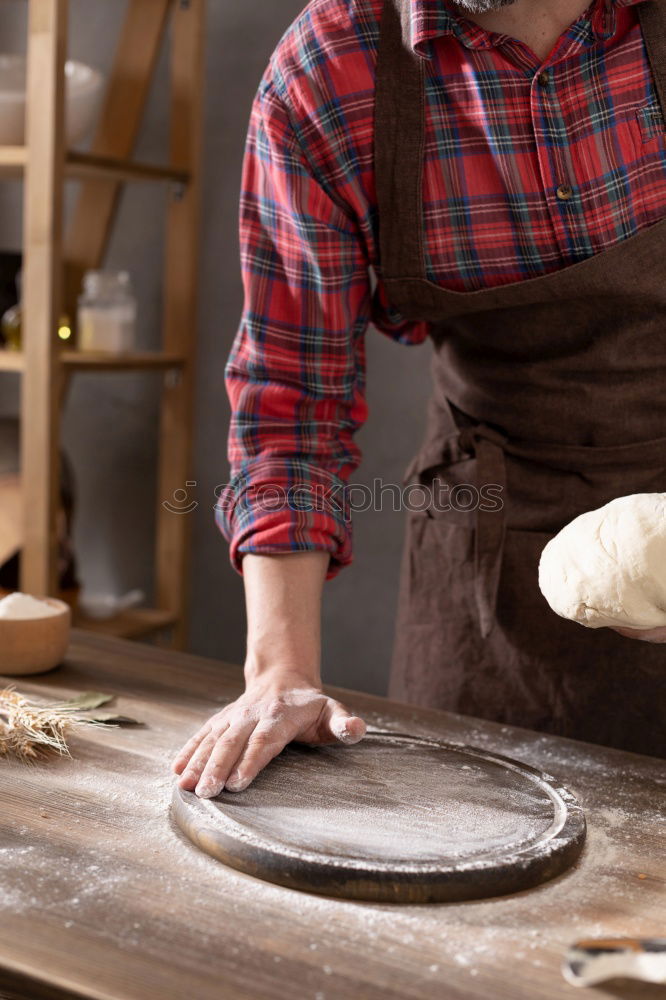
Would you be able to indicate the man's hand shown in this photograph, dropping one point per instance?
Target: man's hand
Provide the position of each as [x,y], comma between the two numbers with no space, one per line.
[645,634]
[283,700]
[236,743]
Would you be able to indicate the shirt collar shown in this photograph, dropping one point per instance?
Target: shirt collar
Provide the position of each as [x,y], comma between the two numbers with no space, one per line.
[431,19]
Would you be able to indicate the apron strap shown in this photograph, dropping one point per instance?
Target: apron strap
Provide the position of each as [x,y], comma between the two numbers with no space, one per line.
[652,17]
[399,139]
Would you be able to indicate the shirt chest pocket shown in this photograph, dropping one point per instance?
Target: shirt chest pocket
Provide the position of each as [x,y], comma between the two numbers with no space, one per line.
[650,123]
[646,169]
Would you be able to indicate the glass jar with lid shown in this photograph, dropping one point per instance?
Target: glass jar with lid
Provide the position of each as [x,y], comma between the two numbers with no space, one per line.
[107,313]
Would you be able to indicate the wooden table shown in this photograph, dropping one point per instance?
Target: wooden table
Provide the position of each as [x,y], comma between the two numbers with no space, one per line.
[101,898]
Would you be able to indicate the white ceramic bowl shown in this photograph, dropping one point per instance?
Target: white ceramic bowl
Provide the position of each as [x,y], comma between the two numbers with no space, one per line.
[33,645]
[83,91]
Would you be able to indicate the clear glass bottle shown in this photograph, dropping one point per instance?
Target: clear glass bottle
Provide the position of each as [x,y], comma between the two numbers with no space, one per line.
[11,322]
[106,319]
[11,325]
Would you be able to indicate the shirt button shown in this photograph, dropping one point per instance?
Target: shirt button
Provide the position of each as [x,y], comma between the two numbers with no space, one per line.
[564,192]
[543,79]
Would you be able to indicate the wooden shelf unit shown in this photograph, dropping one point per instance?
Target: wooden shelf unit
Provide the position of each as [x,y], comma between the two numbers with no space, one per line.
[87,166]
[132,624]
[83,361]
[54,262]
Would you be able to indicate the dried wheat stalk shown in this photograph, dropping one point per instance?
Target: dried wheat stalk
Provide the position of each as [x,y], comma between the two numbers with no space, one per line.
[32,732]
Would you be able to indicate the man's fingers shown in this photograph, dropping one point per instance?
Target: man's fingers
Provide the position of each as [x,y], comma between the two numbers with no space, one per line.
[197,763]
[342,725]
[222,758]
[266,742]
[215,727]
[185,753]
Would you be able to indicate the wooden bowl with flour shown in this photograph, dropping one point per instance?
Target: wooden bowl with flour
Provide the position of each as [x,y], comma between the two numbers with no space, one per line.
[33,638]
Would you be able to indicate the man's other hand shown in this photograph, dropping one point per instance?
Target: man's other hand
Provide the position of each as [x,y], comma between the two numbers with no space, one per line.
[645,634]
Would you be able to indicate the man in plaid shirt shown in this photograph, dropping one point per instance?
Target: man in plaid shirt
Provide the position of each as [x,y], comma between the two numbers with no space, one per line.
[542,149]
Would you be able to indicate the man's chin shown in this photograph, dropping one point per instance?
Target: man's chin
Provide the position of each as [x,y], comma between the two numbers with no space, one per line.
[482,6]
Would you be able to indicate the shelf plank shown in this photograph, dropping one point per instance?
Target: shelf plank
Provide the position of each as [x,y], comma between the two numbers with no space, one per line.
[136,361]
[87,166]
[132,624]
[11,361]
[72,361]
[12,159]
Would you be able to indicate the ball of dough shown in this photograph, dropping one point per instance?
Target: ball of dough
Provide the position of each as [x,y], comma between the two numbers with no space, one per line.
[608,566]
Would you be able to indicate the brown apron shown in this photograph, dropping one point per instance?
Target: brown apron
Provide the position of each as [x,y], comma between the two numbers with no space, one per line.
[552,390]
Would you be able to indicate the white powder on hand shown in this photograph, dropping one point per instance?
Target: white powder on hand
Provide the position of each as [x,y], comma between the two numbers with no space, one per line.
[24,606]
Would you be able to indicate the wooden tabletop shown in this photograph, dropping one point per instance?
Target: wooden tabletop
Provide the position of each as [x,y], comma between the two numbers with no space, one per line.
[101,898]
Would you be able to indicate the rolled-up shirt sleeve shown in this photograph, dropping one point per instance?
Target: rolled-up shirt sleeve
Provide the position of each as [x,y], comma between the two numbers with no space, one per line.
[296,373]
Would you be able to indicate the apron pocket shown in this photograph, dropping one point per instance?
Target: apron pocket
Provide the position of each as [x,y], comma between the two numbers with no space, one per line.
[514,675]
[446,492]
[439,572]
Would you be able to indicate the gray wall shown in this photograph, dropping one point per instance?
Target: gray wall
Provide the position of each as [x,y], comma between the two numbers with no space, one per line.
[109,421]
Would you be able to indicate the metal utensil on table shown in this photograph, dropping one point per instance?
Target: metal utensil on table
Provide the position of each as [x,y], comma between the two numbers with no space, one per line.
[596,960]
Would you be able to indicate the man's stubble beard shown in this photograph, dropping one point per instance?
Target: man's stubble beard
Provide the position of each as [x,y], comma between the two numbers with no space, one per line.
[482,6]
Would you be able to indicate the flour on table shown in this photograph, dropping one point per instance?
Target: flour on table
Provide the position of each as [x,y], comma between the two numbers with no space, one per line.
[129,805]
[607,568]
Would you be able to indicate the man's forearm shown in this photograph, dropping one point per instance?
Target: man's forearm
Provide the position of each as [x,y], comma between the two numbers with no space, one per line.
[283,597]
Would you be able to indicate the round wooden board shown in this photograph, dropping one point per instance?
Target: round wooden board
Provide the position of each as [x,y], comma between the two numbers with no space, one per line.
[393,818]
